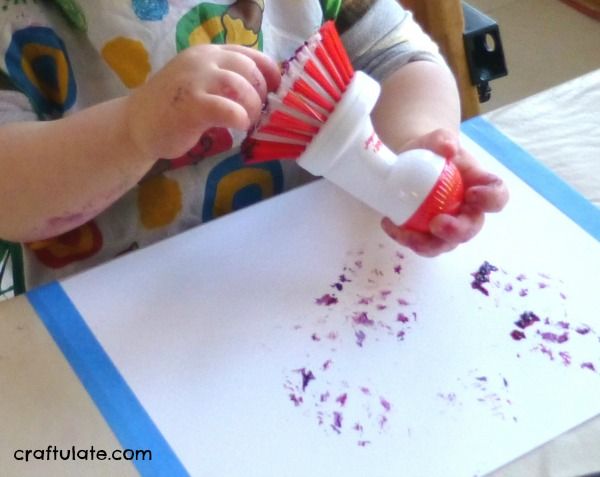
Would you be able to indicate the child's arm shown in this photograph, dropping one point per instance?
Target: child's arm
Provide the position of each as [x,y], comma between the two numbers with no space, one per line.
[419,107]
[56,175]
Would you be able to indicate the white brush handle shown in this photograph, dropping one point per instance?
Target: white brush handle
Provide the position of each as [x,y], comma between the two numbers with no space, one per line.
[348,152]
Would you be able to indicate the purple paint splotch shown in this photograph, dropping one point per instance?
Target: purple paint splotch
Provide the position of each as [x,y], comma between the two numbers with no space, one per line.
[482,276]
[527,319]
[359,309]
[549,337]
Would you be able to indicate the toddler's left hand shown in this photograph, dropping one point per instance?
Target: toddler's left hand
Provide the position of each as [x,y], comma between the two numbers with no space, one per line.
[484,193]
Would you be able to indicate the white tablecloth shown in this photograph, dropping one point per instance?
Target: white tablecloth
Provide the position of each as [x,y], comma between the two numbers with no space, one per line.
[561,128]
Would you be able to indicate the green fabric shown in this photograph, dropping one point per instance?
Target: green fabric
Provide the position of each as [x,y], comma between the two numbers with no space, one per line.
[74,13]
[12,252]
[331,9]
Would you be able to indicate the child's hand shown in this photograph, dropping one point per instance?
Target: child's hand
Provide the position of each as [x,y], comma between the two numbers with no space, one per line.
[204,86]
[484,192]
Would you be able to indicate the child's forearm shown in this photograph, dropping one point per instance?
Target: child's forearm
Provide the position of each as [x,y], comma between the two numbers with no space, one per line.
[58,174]
[417,99]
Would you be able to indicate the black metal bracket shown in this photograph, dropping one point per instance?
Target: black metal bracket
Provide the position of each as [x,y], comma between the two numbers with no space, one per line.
[483,48]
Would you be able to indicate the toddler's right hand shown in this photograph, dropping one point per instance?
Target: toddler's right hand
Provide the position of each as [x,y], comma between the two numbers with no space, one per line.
[204,86]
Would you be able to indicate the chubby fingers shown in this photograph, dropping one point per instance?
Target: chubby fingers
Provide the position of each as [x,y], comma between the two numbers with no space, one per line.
[268,68]
[488,193]
[446,232]
[238,86]
[459,228]
[229,86]
[441,141]
[424,244]
[484,191]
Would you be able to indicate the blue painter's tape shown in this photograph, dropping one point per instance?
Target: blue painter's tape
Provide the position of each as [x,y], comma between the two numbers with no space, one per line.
[117,403]
[535,174]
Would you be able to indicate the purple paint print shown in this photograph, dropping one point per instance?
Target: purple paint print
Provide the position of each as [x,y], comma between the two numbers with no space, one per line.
[488,391]
[297,400]
[360,337]
[583,330]
[566,358]
[547,351]
[307,377]
[402,318]
[362,319]
[527,319]
[337,420]
[365,300]
[327,300]
[482,276]
[588,365]
[384,294]
[553,337]
[341,399]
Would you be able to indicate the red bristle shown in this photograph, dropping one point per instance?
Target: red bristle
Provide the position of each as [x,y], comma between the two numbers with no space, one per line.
[333,45]
[285,133]
[292,100]
[315,73]
[304,89]
[290,122]
[325,60]
[262,151]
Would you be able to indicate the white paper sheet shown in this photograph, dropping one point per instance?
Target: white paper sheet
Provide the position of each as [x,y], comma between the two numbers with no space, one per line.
[415,372]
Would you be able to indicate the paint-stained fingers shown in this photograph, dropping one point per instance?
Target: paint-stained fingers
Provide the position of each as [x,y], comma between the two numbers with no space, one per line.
[470,169]
[484,191]
[268,68]
[246,68]
[490,197]
[460,228]
[234,87]
[219,111]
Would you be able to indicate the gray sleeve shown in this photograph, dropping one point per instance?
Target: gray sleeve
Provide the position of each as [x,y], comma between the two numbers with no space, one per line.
[386,38]
[14,107]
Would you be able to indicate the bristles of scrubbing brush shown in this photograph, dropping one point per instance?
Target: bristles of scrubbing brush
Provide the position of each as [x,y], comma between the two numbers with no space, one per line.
[313,82]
